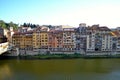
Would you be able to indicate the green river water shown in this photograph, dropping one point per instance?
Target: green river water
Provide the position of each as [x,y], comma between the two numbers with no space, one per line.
[60,69]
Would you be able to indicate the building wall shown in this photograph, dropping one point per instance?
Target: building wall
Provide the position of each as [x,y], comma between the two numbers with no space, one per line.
[44,40]
[81,37]
[23,40]
[56,40]
[118,43]
[40,39]
[91,42]
[114,43]
[16,40]
[69,39]
[28,42]
[106,43]
[52,41]
[36,40]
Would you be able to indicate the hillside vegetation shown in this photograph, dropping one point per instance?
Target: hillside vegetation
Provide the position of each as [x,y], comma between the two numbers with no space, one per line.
[5,25]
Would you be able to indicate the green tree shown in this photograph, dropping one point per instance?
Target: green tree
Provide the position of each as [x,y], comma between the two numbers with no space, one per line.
[15,26]
[2,24]
[8,25]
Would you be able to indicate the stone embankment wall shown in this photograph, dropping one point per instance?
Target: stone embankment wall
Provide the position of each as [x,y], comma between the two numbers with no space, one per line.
[32,52]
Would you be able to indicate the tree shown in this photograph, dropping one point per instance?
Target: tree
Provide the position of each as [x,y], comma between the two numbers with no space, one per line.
[2,24]
[15,26]
[25,25]
[49,26]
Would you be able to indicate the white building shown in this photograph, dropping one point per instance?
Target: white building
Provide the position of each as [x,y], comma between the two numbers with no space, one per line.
[90,42]
[99,39]
[69,39]
[24,29]
[106,39]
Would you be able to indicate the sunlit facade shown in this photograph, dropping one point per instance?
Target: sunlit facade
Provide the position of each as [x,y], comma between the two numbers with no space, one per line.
[40,38]
[88,39]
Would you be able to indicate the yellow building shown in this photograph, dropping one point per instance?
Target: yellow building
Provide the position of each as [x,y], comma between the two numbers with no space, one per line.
[40,38]
[44,39]
[27,40]
[37,39]
[16,39]
[23,40]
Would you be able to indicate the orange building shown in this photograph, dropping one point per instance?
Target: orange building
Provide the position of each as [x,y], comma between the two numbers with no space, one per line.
[55,40]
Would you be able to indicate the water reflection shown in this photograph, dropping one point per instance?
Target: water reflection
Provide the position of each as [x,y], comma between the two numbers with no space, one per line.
[5,72]
[74,69]
[66,66]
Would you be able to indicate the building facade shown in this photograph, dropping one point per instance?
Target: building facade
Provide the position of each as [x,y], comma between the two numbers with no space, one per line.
[40,38]
[23,40]
[99,38]
[81,32]
[69,39]
[82,39]
[56,40]
[106,38]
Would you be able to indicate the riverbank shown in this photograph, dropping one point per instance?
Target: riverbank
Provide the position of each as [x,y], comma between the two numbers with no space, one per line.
[60,56]
[68,56]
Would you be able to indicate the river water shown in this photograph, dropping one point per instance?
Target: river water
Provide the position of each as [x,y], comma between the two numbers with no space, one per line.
[60,69]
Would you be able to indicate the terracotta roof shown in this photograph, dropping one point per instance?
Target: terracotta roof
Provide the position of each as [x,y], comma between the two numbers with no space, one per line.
[94,27]
[69,29]
[38,28]
[17,33]
[115,33]
[28,32]
[55,30]
[104,28]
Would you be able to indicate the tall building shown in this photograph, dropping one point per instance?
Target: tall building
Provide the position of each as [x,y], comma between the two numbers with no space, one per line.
[90,41]
[16,39]
[115,38]
[28,41]
[69,39]
[106,38]
[81,37]
[99,38]
[56,40]
[40,38]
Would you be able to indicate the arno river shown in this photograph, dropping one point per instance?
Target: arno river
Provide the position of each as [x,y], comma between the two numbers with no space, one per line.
[60,69]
